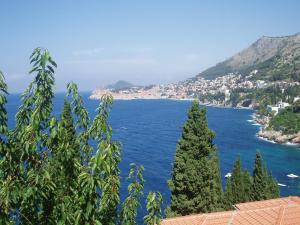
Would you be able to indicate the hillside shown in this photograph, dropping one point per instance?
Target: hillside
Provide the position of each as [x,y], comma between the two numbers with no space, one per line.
[119,85]
[274,58]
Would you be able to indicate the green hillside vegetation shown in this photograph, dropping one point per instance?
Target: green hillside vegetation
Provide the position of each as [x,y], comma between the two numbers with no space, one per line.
[288,120]
[274,58]
[262,97]
[275,69]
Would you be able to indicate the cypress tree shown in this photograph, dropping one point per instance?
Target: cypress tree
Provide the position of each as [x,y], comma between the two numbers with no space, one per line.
[259,185]
[195,184]
[238,193]
[264,186]
[273,187]
[247,182]
[228,198]
[241,183]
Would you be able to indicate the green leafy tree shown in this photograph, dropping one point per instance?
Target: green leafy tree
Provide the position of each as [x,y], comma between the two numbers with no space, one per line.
[50,173]
[195,184]
[135,189]
[154,201]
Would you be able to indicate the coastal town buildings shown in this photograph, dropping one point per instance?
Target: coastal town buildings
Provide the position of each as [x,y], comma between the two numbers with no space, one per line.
[217,91]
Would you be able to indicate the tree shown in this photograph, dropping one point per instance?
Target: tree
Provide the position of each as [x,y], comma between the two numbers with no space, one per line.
[247,180]
[240,182]
[228,196]
[195,184]
[50,173]
[264,185]
[154,201]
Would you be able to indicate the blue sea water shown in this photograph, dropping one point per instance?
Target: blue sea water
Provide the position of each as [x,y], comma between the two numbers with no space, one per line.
[149,131]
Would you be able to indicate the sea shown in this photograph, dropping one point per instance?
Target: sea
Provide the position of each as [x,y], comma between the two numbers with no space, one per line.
[149,131]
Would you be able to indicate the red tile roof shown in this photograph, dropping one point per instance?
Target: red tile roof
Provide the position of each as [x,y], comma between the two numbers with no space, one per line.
[281,211]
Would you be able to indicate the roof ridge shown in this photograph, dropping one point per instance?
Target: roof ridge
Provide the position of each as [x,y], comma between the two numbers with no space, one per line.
[203,214]
[267,200]
[268,208]
[280,215]
[231,218]
[290,200]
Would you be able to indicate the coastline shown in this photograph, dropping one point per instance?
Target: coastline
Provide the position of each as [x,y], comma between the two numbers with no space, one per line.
[95,97]
[273,136]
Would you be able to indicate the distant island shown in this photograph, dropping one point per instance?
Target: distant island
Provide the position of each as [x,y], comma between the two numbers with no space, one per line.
[120,85]
[264,76]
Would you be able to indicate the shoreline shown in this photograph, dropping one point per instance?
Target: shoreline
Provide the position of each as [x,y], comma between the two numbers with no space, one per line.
[272,136]
[175,99]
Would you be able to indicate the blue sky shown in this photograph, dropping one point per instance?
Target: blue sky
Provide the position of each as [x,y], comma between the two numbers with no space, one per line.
[99,42]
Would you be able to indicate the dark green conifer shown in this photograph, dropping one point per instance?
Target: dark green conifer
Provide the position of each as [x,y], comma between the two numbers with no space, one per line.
[273,187]
[237,180]
[241,183]
[195,183]
[228,198]
[247,182]
[259,185]
[264,186]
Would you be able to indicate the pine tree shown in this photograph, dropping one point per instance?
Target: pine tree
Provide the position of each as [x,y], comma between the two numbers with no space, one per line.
[264,185]
[195,183]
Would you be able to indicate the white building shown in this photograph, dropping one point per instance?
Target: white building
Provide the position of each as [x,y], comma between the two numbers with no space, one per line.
[296,99]
[227,95]
[278,107]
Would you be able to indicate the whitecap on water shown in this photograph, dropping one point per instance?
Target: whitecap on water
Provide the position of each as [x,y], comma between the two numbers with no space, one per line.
[291,175]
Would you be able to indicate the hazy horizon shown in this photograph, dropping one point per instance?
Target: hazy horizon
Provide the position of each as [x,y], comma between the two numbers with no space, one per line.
[155,42]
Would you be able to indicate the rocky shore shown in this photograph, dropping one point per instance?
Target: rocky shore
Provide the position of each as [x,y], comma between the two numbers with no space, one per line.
[279,137]
[275,136]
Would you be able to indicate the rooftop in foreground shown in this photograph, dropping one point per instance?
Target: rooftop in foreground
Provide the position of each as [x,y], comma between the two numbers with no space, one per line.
[281,211]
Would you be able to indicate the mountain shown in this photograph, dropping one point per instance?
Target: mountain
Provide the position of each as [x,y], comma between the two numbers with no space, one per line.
[121,84]
[274,58]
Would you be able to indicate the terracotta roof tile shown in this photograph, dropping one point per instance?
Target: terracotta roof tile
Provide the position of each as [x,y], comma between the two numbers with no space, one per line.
[281,211]
[268,203]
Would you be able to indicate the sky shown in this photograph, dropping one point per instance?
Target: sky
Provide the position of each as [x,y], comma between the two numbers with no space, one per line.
[96,42]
